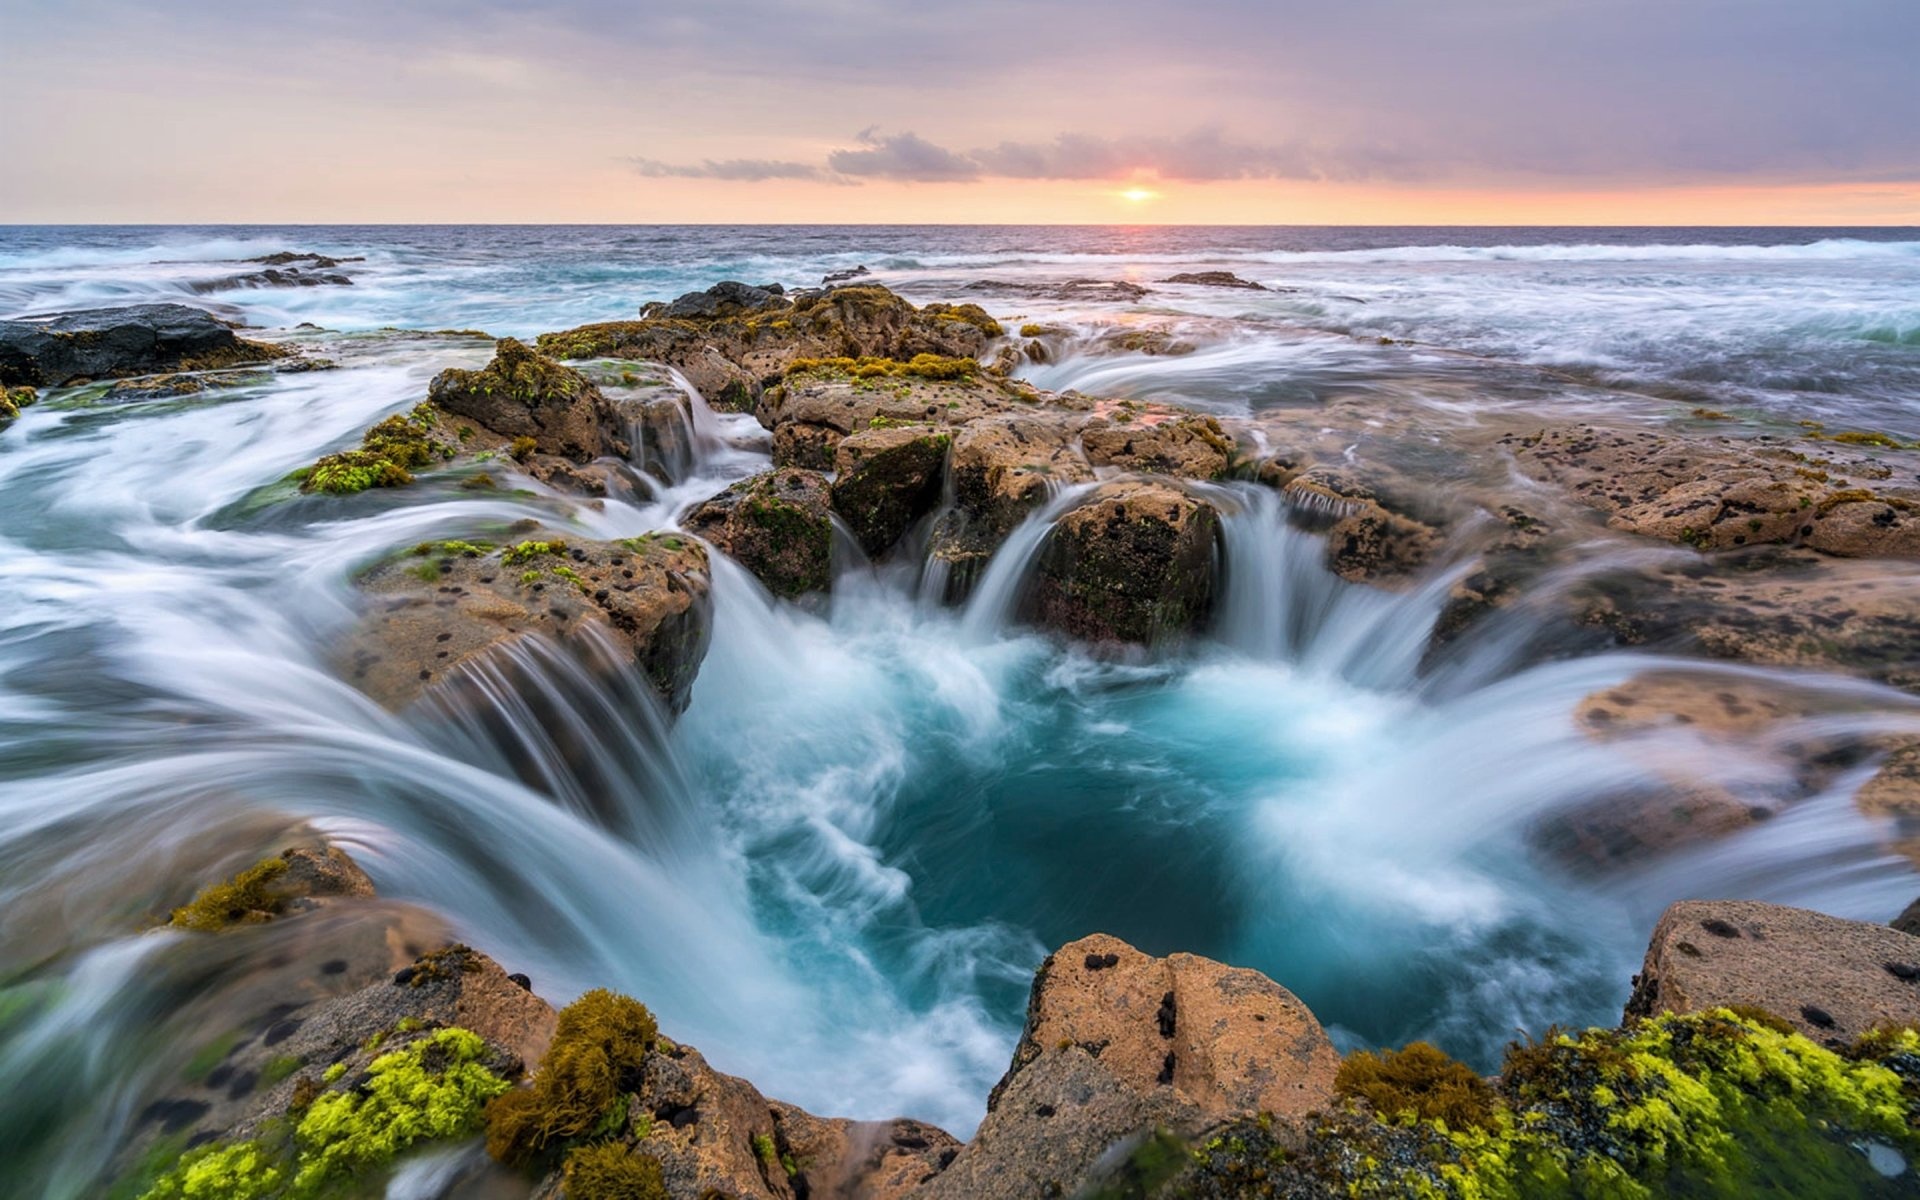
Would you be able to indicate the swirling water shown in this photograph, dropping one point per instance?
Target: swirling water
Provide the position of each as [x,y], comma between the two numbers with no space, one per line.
[836,871]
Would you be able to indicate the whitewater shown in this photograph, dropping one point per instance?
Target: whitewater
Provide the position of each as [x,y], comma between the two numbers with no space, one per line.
[836,871]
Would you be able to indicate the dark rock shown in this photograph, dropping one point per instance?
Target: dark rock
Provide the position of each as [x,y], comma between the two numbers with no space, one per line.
[1134,564]
[111,343]
[886,479]
[522,393]
[725,299]
[1117,290]
[1217,279]
[778,525]
[1908,921]
[843,276]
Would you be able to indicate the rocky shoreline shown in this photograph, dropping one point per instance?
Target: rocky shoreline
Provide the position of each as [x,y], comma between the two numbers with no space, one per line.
[902,432]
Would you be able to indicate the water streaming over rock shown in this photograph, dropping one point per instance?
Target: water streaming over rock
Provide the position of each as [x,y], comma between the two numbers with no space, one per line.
[836,870]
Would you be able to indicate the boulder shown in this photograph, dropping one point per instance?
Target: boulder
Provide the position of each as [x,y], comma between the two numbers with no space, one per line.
[778,525]
[1135,563]
[1833,980]
[448,604]
[888,478]
[838,1159]
[112,343]
[728,298]
[1119,1044]
[522,394]
[821,401]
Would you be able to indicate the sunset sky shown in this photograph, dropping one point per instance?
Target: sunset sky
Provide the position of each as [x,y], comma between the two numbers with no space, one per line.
[1346,111]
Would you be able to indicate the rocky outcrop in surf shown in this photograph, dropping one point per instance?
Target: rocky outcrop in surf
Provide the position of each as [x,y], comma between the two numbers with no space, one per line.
[113,343]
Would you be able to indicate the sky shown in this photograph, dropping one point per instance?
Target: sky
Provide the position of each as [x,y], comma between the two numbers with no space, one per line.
[1206,111]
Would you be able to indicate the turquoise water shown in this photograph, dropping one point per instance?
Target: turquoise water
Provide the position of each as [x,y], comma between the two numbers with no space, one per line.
[836,872]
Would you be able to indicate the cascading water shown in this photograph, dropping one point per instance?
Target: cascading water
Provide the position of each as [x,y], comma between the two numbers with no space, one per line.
[836,870]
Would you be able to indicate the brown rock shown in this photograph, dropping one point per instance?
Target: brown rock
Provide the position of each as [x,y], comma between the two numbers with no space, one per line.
[778,525]
[1832,979]
[525,394]
[886,479]
[644,601]
[1118,1043]
[1134,563]
[1193,447]
[838,1159]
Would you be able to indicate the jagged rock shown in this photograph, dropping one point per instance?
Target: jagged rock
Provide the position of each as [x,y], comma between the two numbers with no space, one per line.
[523,394]
[851,273]
[886,479]
[731,356]
[1191,446]
[778,525]
[1719,493]
[1218,279]
[1117,1044]
[1001,468]
[728,298]
[1833,980]
[1135,563]
[817,405]
[450,603]
[111,343]
[838,1159]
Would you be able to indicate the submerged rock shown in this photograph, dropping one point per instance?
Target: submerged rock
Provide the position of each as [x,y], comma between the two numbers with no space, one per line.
[449,603]
[1831,979]
[1134,563]
[778,525]
[111,343]
[1119,1044]
[1218,279]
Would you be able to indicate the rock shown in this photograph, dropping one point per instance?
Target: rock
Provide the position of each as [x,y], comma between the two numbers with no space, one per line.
[522,394]
[731,355]
[778,525]
[1894,791]
[1135,563]
[1908,921]
[1374,544]
[886,479]
[725,299]
[1081,290]
[110,343]
[1191,446]
[838,1159]
[1833,980]
[821,401]
[1216,279]
[1117,1044]
[1002,468]
[449,604]
[1717,493]
[1153,341]
[844,276]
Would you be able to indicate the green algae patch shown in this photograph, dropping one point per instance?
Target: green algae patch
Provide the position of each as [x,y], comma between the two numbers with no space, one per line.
[246,899]
[600,1044]
[521,552]
[433,1089]
[1711,1104]
[920,366]
[387,456]
[612,1171]
[1420,1081]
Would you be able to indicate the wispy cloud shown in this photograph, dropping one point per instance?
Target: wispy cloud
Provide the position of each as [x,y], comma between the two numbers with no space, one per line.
[740,170]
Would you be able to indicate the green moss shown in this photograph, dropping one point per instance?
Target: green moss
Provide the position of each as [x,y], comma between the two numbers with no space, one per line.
[333,1073]
[599,1046]
[1037,331]
[572,576]
[920,366]
[463,549]
[433,1089]
[1711,1104]
[966,314]
[448,962]
[387,456]
[522,448]
[280,1068]
[763,1148]
[246,899]
[1420,1081]
[1856,437]
[611,1171]
[521,552]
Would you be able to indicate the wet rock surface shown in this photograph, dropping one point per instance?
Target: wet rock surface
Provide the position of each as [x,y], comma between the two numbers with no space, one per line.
[1117,1044]
[447,604]
[778,525]
[1216,279]
[1831,979]
[110,343]
[887,479]
[1134,563]
[522,394]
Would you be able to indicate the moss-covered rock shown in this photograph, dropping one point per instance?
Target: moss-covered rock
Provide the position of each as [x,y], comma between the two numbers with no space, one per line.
[1155,441]
[12,400]
[290,880]
[113,343]
[778,525]
[886,479]
[445,605]
[1135,563]
[524,394]
[387,456]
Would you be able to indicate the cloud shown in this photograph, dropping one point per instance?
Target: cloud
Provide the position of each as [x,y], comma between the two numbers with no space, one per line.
[903,156]
[1205,155]
[740,170]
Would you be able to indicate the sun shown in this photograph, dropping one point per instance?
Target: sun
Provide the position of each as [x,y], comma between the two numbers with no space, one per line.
[1139,195]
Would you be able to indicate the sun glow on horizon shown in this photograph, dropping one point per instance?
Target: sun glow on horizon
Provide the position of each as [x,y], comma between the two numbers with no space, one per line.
[1138,195]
